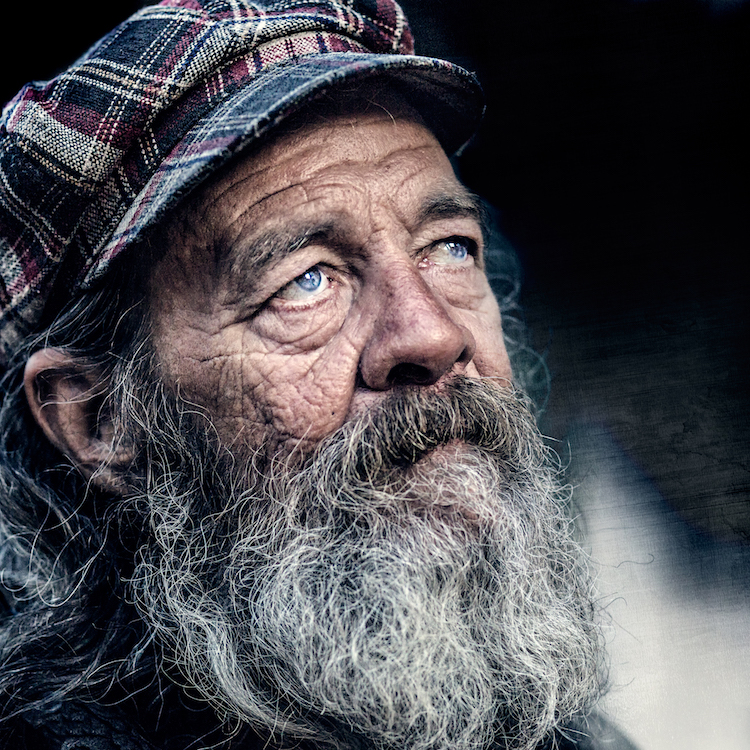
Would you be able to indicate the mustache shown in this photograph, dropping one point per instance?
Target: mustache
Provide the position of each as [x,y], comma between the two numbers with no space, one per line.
[411,422]
[374,461]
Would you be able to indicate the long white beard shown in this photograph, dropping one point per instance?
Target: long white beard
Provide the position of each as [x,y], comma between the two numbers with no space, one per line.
[414,585]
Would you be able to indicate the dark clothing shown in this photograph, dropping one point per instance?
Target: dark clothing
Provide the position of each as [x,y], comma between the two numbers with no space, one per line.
[88,726]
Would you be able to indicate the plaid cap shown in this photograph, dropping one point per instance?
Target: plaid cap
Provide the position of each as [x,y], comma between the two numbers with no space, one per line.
[93,158]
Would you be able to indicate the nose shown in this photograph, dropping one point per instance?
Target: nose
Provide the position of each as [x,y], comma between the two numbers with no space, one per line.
[414,340]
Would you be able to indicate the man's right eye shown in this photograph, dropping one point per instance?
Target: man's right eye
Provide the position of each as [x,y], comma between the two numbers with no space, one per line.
[306,286]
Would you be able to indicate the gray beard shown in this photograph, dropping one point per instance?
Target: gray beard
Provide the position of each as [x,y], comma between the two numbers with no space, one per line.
[412,584]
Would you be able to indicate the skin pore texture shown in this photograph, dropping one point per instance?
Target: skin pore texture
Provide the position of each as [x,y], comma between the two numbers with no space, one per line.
[337,262]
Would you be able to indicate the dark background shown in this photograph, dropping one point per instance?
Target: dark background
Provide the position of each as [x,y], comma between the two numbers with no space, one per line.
[615,148]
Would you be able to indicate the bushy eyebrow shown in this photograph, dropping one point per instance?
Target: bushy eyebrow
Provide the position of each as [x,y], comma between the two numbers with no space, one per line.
[251,260]
[458,203]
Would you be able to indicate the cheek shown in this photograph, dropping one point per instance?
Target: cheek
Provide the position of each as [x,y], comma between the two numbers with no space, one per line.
[302,397]
[491,358]
[262,395]
[299,373]
[270,380]
[473,305]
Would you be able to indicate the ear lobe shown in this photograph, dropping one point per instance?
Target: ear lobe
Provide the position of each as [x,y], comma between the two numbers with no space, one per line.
[66,398]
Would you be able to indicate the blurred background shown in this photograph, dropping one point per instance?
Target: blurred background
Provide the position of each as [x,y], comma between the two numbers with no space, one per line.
[615,151]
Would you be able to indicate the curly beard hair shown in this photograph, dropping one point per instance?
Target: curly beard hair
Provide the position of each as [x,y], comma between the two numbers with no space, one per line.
[411,584]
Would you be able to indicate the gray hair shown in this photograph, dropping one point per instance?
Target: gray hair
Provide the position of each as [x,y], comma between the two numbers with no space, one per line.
[66,548]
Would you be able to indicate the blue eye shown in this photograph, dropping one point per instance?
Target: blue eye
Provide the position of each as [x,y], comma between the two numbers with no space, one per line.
[457,249]
[309,284]
[453,250]
[310,280]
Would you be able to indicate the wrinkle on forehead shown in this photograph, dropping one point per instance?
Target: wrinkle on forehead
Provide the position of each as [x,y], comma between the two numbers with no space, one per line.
[220,202]
[251,256]
[217,215]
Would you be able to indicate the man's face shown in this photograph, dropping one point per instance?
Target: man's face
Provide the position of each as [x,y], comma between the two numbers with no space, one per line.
[411,582]
[337,262]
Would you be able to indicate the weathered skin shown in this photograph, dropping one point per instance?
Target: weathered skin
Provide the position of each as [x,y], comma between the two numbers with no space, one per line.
[278,364]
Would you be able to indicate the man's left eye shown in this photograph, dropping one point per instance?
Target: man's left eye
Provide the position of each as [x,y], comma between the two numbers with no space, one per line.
[306,286]
[453,250]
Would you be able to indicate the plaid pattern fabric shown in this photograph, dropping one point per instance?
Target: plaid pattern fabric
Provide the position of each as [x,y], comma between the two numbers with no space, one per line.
[92,158]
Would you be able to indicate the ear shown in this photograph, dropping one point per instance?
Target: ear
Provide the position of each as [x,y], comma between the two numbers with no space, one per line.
[66,397]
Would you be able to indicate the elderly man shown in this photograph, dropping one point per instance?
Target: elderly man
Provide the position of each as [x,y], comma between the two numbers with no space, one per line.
[265,478]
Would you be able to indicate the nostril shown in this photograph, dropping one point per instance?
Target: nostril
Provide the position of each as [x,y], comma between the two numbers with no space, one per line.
[406,373]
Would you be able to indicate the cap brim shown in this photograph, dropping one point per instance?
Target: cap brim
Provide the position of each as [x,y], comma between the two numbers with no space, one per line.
[449,99]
